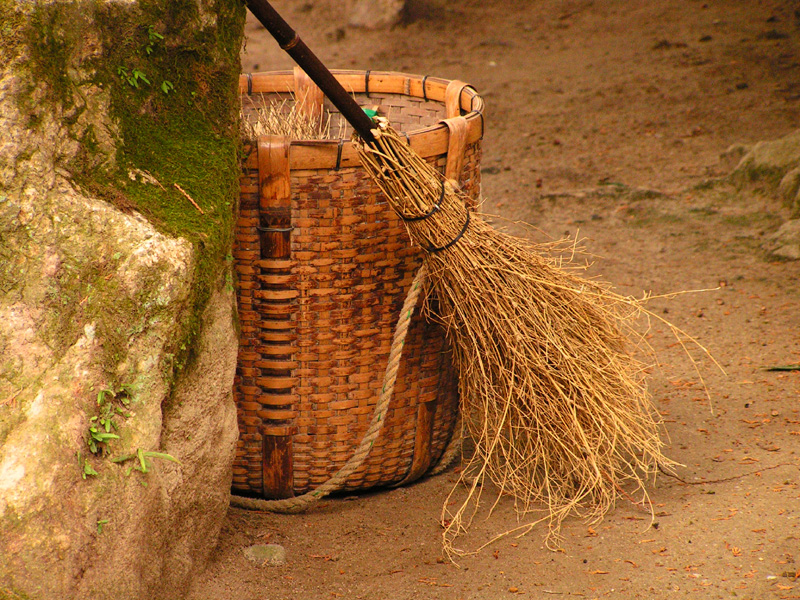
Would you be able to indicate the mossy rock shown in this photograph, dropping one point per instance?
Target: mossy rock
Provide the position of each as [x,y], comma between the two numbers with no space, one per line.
[767,163]
[114,115]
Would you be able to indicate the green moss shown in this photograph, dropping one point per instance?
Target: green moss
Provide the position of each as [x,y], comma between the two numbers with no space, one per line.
[12,21]
[9,594]
[708,185]
[766,177]
[54,34]
[174,102]
[763,219]
[182,134]
[645,194]
[703,211]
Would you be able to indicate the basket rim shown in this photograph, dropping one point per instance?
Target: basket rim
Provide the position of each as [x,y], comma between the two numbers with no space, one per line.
[335,154]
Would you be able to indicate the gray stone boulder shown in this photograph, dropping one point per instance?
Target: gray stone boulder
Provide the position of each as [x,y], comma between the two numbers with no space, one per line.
[76,524]
[789,189]
[117,337]
[785,243]
[376,14]
[119,532]
[775,163]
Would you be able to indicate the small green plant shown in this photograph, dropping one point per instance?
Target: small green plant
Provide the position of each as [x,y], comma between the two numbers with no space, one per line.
[133,77]
[136,77]
[112,403]
[85,467]
[100,524]
[139,76]
[141,457]
[100,425]
[153,36]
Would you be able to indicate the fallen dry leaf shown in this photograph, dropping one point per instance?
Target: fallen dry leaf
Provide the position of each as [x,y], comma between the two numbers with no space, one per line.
[731,513]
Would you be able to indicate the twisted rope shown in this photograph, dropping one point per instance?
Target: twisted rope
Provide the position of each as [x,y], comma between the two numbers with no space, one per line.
[335,483]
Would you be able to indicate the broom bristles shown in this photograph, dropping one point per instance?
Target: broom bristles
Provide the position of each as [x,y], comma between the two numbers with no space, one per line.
[269,116]
[551,394]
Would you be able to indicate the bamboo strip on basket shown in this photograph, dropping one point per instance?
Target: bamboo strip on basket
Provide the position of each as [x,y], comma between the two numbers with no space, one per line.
[390,82]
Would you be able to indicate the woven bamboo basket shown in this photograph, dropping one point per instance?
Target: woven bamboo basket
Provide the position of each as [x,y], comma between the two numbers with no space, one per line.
[323,267]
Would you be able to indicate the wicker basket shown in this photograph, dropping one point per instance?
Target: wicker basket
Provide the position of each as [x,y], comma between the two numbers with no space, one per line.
[323,268]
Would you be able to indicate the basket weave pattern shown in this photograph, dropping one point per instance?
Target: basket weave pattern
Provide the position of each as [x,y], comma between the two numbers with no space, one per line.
[316,326]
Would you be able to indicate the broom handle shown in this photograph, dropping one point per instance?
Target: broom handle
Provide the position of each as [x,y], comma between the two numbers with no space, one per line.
[289,41]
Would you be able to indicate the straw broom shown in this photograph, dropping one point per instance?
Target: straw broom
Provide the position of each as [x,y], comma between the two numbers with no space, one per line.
[551,393]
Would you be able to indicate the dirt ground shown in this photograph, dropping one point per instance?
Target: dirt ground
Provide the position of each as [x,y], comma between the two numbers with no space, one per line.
[607,118]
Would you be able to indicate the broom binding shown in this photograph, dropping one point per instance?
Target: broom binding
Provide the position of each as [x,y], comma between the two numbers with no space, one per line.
[430,213]
[434,249]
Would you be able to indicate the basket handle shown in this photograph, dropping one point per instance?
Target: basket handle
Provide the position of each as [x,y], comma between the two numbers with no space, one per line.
[309,96]
[456,147]
[289,41]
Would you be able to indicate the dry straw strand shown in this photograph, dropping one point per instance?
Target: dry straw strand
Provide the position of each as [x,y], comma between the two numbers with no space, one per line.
[551,393]
[268,116]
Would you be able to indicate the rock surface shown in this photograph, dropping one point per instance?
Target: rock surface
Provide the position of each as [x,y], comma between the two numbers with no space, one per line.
[159,526]
[777,162]
[272,555]
[782,154]
[97,305]
[785,243]
[376,14]
[789,189]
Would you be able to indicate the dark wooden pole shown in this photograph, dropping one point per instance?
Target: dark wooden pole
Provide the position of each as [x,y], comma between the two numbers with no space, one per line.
[319,73]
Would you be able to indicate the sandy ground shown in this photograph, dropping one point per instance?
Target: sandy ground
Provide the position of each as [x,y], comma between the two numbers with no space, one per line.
[606,118]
